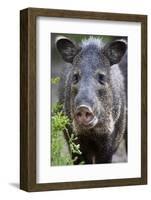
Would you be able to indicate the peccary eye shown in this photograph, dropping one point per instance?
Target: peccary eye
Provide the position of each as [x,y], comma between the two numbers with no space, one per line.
[75,78]
[101,79]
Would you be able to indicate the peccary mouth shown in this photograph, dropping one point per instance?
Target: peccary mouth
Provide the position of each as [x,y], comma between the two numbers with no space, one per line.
[89,125]
[92,123]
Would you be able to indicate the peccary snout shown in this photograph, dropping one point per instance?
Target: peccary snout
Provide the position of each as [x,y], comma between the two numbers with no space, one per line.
[85,116]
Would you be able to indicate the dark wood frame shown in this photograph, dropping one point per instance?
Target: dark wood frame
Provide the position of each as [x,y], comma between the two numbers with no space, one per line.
[28,98]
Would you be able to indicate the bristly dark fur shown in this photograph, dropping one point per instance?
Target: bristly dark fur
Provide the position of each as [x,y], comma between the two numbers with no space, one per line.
[108,100]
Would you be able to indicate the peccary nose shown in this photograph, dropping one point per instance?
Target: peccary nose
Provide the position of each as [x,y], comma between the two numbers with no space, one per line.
[84,115]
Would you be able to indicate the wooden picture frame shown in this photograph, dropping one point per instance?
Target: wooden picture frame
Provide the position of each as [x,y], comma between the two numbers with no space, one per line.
[28,98]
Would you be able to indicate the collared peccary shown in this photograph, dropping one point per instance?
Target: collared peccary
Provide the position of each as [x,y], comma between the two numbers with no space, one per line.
[93,92]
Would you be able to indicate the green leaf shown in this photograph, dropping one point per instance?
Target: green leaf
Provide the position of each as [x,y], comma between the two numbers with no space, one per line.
[55,80]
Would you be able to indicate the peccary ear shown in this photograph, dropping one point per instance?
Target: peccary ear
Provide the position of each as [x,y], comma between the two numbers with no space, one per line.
[115,50]
[66,48]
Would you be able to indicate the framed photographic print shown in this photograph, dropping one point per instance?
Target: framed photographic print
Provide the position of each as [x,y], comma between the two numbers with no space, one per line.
[83,99]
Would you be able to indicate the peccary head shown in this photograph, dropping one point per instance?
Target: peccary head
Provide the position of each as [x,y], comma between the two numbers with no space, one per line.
[89,79]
